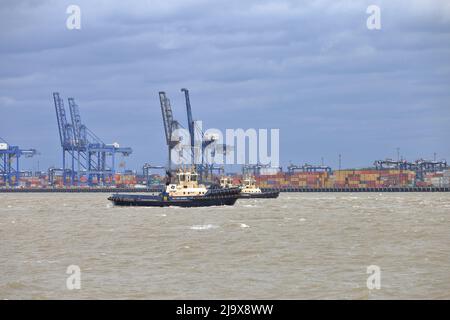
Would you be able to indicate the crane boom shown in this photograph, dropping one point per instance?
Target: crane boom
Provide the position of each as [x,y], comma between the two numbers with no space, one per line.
[76,122]
[65,129]
[170,125]
[167,116]
[190,122]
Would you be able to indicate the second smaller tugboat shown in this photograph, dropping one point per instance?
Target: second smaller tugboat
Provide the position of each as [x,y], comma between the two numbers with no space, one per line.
[249,188]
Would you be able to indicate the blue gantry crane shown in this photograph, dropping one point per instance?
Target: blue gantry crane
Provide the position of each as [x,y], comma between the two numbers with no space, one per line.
[84,153]
[10,173]
[308,168]
[420,166]
[147,174]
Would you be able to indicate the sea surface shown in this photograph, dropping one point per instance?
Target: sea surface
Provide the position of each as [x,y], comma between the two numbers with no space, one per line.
[299,246]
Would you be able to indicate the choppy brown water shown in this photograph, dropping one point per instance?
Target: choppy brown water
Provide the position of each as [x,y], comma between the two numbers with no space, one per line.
[300,246]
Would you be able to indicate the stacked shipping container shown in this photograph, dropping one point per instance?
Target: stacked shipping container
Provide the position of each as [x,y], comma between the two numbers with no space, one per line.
[339,179]
[296,180]
[437,179]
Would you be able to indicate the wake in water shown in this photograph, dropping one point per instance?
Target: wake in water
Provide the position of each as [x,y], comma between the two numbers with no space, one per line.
[203,227]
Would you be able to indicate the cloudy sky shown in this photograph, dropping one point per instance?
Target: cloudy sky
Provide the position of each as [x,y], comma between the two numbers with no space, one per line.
[310,68]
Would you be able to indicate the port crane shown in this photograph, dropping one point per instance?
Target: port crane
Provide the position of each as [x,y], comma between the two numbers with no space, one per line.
[206,141]
[10,173]
[86,153]
[308,168]
[191,124]
[420,166]
[170,125]
[146,171]
[255,169]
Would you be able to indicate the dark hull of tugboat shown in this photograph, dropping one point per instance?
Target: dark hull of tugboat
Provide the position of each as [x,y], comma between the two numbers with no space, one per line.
[212,198]
[262,195]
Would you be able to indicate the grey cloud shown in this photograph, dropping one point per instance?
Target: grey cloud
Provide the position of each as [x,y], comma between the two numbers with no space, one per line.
[310,68]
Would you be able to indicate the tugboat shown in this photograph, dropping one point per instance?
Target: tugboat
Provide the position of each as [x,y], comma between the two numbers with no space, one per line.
[187,192]
[249,188]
